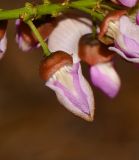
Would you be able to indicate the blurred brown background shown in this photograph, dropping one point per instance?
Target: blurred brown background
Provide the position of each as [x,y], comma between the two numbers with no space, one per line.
[34,126]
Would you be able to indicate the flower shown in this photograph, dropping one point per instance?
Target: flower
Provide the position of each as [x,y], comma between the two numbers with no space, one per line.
[125,38]
[3,38]
[137,18]
[102,72]
[25,37]
[64,77]
[92,51]
[71,88]
[105,77]
[127,3]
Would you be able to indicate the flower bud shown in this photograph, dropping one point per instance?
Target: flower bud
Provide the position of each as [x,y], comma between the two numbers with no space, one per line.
[71,88]
[105,77]
[92,51]
[26,38]
[53,63]
[3,38]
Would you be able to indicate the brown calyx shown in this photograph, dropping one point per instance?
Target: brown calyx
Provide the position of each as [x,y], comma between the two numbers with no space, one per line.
[3,27]
[93,51]
[45,28]
[53,63]
[112,16]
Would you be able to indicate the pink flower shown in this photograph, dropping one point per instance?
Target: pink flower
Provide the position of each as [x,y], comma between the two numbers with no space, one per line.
[24,36]
[127,3]
[105,77]
[71,88]
[137,18]
[127,40]
[3,46]
[123,33]
[62,71]
[3,38]
[102,72]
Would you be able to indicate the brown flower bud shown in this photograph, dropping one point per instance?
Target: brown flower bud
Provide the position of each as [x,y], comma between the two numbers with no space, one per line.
[53,63]
[93,51]
[44,26]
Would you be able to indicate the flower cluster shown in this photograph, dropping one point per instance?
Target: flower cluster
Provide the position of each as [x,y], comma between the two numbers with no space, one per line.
[71,38]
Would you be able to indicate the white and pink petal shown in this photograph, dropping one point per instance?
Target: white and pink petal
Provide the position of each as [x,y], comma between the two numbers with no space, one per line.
[65,37]
[73,91]
[105,77]
[3,45]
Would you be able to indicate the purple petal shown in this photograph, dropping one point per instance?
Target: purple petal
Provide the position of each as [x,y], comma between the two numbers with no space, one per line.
[105,78]
[132,47]
[122,54]
[127,40]
[137,18]
[22,44]
[128,3]
[131,30]
[73,91]
[3,46]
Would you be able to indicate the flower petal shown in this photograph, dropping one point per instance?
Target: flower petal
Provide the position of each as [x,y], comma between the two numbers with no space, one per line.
[105,78]
[127,40]
[137,18]
[23,45]
[65,37]
[73,91]
[122,54]
[3,45]
[131,31]
[128,3]
[26,38]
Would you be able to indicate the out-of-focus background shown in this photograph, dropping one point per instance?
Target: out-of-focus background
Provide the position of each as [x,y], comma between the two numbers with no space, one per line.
[34,126]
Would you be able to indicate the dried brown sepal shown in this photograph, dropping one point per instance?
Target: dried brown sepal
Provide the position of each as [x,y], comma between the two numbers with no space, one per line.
[112,16]
[3,27]
[45,28]
[53,63]
[93,51]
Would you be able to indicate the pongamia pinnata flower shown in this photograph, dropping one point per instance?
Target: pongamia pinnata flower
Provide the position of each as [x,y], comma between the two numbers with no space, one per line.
[102,72]
[71,88]
[127,3]
[3,38]
[124,33]
[105,77]
[26,38]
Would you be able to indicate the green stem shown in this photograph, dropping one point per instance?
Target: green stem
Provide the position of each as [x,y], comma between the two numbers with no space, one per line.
[39,37]
[86,6]
[107,7]
[45,9]
[81,8]
[12,14]
[86,3]
[40,9]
